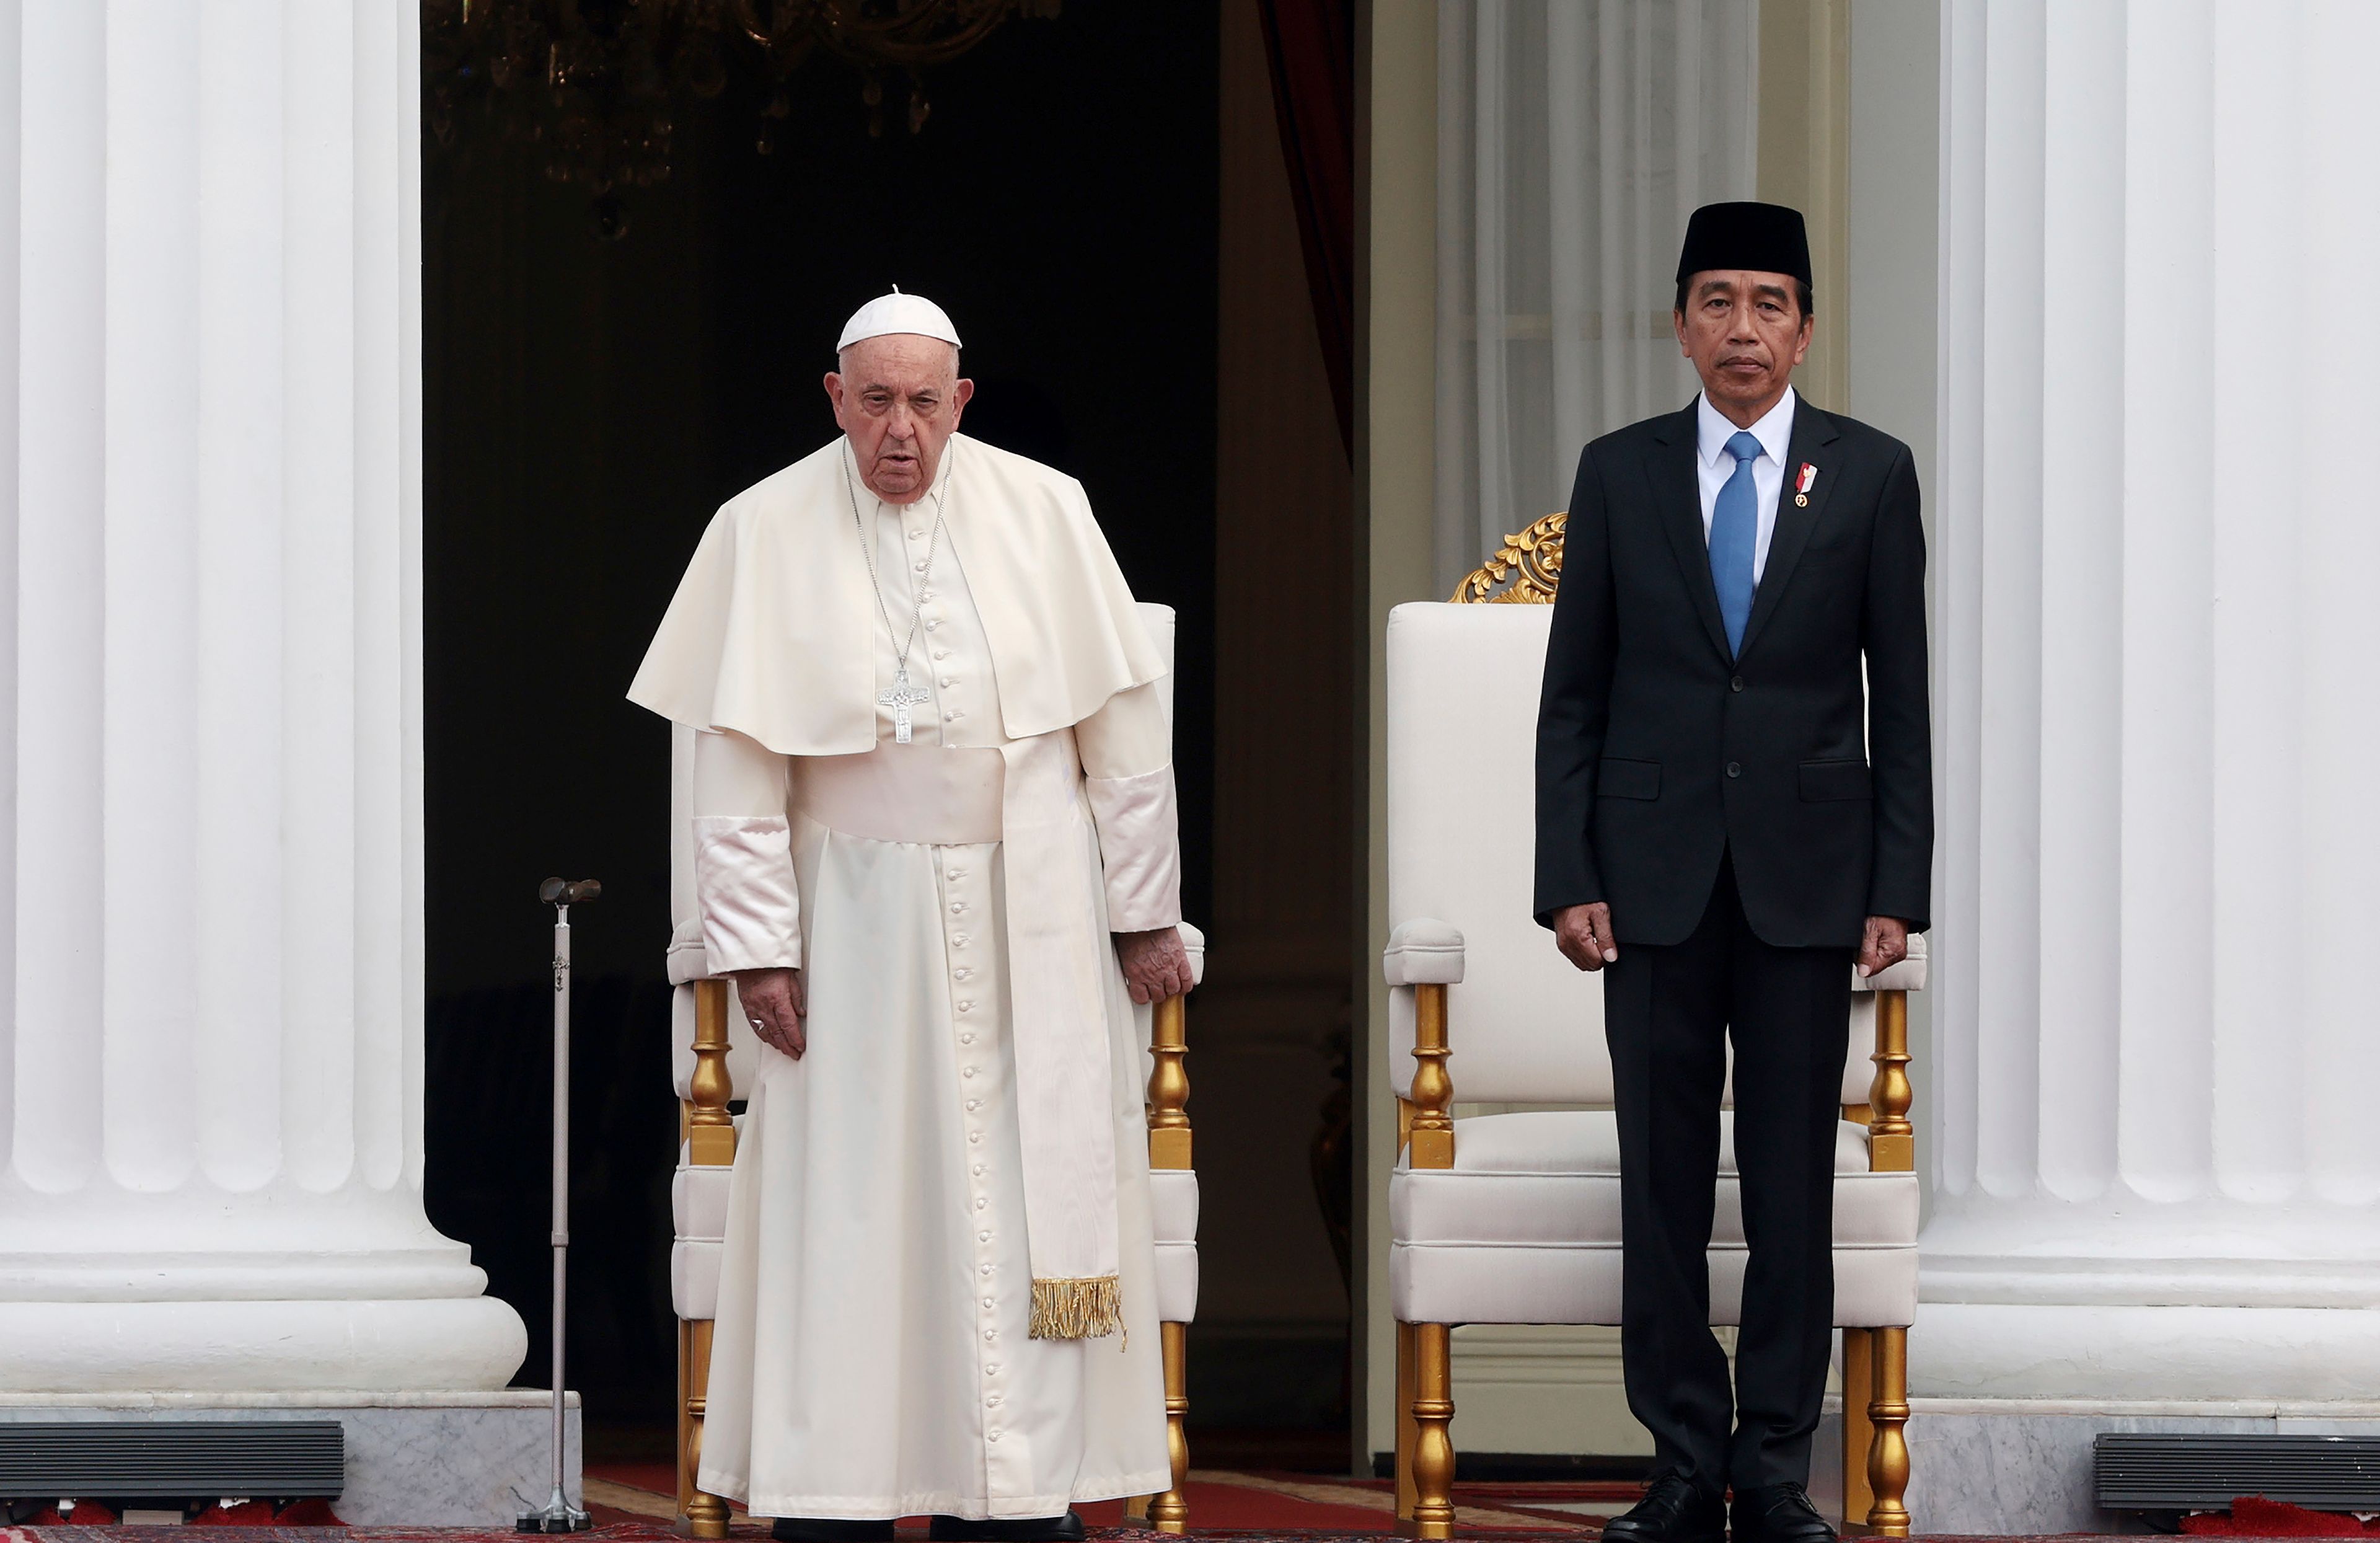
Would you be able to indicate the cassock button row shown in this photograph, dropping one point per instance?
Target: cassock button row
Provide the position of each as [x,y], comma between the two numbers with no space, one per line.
[991,1369]
[919,567]
[925,594]
[989,1335]
[966,1038]
[983,1270]
[967,1007]
[954,873]
[979,1167]
[958,907]
[993,1402]
[980,1202]
[983,1237]
[973,1103]
[947,683]
[953,716]
[975,1136]
[931,625]
[962,972]
[1735,769]
[969,1073]
[960,940]
[991,1436]
[941,653]
[987,1302]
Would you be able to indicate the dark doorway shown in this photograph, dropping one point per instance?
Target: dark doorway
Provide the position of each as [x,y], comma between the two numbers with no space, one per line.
[600,372]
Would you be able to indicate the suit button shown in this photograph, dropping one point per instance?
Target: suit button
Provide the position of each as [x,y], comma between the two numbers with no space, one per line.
[1735,684]
[1734,768]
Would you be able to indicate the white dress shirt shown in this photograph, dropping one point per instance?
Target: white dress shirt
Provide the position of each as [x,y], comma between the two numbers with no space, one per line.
[1714,466]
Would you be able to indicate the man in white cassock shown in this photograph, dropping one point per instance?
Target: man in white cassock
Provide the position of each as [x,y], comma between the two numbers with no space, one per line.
[936,848]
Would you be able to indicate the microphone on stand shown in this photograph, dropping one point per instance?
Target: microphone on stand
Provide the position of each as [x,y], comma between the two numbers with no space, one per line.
[558,1514]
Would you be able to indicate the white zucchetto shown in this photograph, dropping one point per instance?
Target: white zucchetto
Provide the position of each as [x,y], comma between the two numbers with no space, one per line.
[897,312]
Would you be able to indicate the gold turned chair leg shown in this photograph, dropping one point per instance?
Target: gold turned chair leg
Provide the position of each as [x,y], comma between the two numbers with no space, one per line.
[1859,1432]
[1888,1461]
[1170,1513]
[1404,1422]
[1433,1457]
[706,1514]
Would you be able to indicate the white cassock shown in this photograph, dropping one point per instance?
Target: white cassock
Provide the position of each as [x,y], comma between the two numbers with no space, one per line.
[873,1354]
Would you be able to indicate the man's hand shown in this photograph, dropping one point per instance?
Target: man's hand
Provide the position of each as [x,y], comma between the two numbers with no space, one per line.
[1885,944]
[1585,934]
[775,1002]
[1156,965]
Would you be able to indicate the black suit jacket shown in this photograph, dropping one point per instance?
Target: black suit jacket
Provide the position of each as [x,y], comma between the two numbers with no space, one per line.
[1657,751]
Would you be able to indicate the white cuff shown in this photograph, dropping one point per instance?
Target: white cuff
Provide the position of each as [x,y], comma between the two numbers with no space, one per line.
[743,885]
[1140,845]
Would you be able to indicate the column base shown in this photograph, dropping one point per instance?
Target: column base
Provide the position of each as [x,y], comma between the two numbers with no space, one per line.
[2022,1467]
[436,1459]
[2185,1355]
[82,1348]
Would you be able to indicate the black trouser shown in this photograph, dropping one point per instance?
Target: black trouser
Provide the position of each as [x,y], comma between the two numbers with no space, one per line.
[1668,1013]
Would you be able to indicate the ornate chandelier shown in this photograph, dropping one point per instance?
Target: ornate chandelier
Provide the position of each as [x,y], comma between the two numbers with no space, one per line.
[595,82]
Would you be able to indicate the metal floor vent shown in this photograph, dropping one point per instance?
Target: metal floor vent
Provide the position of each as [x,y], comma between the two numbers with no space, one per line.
[173,1458]
[2206,1472]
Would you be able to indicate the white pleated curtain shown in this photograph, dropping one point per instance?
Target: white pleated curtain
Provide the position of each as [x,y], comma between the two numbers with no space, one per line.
[1574,138]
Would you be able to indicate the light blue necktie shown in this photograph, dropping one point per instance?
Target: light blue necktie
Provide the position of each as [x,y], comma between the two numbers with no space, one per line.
[1735,519]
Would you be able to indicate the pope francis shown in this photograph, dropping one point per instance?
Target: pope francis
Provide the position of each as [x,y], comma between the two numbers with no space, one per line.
[934,778]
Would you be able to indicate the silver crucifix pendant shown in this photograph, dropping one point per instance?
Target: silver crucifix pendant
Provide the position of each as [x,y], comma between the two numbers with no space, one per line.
[901,696]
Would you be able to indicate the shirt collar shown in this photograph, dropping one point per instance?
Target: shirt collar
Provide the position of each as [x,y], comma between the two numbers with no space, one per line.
[1774,430]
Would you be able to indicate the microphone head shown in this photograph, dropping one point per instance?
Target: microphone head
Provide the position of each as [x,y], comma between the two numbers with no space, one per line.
[552,892]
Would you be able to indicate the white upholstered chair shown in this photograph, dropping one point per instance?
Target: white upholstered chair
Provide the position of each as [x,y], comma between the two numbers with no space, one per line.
[712,1053]
[1514,1218]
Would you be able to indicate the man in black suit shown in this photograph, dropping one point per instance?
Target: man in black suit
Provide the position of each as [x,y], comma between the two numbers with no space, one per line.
[1727,823]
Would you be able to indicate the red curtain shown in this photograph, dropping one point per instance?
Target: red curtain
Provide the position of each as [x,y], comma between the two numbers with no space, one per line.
[1312,47]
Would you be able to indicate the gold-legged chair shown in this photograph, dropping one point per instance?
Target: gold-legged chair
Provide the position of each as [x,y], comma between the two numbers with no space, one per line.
[1515,1217]
[713,1051]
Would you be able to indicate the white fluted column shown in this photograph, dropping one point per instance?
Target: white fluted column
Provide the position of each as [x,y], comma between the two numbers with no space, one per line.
[2159,1167]
[211,1093]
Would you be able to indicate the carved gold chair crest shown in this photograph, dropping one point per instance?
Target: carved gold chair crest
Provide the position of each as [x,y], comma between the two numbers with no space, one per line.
[1528,566]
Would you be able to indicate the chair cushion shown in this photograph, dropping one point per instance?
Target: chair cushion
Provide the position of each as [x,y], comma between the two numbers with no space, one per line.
[699,1201]
[693,1279]
[1485,1283]
[1173,1205]
[1524,1228]
[1177,1283]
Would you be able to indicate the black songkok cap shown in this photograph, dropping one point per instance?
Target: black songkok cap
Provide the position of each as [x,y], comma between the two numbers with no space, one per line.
[1760,237]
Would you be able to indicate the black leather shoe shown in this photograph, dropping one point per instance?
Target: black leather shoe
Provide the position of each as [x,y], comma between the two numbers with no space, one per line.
[1032,1529]
[1674,1509]
[824,1530]
[1779,1514]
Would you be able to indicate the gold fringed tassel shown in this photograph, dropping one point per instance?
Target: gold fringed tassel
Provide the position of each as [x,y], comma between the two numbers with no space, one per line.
[1088,1308]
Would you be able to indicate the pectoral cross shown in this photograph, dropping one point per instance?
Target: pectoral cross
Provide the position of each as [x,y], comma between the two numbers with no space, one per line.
[901,696]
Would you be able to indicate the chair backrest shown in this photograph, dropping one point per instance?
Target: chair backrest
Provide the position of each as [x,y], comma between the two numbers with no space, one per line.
[686,961]
[1524,1025]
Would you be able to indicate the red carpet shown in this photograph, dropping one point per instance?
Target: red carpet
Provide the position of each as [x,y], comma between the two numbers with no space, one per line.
[2254,1516]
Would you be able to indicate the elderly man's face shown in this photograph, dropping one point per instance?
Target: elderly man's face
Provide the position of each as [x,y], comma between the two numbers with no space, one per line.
[897,399]
[1746,332]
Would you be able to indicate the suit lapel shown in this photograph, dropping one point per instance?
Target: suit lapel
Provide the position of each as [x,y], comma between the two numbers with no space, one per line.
[1813,431]
[1669,468]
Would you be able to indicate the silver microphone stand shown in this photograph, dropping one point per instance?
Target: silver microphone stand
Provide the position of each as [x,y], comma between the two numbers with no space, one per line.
[558,1514]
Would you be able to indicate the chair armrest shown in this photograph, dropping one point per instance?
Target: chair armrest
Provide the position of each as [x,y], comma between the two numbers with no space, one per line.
[1195,942]
[1423,952]
[1907,976]
[687,960]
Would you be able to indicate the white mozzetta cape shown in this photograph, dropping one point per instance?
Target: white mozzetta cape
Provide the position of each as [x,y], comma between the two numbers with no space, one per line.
[772,630]
[772,634]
